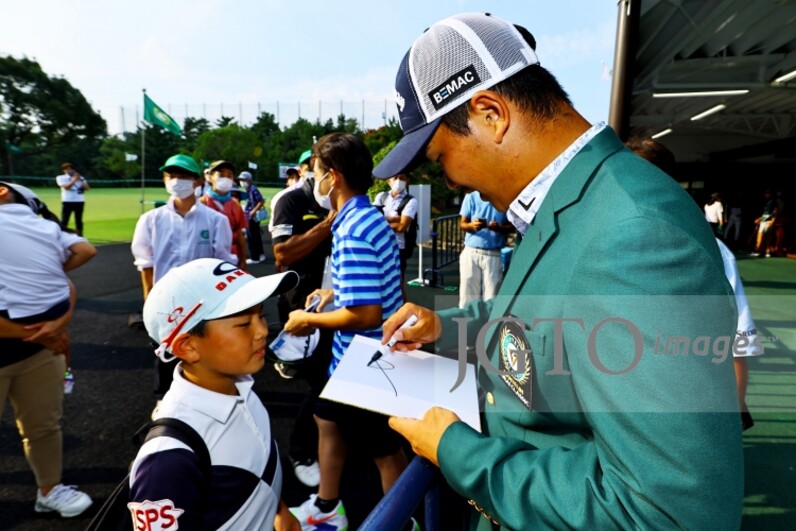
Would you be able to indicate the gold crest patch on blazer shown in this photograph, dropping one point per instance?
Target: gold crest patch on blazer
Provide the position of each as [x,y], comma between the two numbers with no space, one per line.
[515,358]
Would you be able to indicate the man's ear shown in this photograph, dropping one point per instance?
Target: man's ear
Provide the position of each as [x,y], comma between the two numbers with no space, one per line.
[489,109]
[184,348]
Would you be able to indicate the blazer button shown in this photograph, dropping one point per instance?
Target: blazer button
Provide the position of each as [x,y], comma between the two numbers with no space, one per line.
[490,398]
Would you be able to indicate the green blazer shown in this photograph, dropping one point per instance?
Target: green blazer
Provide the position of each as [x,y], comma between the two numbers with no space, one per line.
[618,406]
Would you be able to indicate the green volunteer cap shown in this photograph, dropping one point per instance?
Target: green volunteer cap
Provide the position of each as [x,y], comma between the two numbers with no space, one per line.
[182,161]
[305,156]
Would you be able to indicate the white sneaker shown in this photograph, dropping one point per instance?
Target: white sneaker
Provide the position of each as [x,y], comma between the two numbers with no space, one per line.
[311,518]
[64,499]
[251,261]
[307,472]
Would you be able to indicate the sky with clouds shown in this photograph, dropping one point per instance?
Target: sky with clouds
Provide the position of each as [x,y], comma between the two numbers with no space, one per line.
[287,57]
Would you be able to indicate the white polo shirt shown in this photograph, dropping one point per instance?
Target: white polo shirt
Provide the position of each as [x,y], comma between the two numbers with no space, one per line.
[32,261]
[166,475]
[73,194]
[391,204]
[163,239]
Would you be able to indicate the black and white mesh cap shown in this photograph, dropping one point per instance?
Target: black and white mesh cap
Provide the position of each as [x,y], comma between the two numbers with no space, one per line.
[447,64]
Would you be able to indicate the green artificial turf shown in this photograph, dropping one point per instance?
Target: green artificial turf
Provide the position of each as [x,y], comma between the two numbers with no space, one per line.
[770,445]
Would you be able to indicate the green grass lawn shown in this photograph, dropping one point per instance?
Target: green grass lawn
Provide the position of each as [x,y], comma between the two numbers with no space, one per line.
[111,213]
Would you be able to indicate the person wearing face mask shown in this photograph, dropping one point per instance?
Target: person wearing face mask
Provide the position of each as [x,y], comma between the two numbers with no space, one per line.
[174,234]
[400,210]
[219,198]
[301,233]
[255,205]
[365,291]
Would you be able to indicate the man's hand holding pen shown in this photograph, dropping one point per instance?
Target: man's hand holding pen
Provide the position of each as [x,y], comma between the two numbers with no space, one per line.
[426,330]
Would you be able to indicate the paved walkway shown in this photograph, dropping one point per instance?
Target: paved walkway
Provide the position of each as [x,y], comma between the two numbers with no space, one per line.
[113,378]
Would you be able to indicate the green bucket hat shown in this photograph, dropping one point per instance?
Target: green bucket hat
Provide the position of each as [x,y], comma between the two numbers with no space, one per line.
[185,162]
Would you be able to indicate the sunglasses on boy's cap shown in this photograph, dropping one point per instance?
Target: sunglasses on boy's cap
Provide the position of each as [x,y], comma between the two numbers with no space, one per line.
[448,63]
[203,290]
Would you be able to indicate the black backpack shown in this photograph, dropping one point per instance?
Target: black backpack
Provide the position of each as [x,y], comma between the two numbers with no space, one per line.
[410,236]
[114,515]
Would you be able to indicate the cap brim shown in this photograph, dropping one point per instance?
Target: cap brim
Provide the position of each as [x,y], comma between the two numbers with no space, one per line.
[253,293]
[192,172]
[224,164]
[408,153]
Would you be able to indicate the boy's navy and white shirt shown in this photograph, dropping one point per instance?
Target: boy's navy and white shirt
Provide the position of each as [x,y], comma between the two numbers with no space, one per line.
[365,267]
[168,489]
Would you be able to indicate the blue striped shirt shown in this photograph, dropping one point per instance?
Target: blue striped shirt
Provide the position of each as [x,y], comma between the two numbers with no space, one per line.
[365,267]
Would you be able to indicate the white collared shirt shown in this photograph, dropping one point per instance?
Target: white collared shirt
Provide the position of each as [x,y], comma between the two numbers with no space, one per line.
[237,432]
[32,255]
[390,205]
[526,205]
[163,239]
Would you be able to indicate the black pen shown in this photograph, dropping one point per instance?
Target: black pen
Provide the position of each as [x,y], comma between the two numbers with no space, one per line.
[393,340]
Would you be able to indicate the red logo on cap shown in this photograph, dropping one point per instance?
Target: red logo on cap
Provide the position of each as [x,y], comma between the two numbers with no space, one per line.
[175,314]
[233,276]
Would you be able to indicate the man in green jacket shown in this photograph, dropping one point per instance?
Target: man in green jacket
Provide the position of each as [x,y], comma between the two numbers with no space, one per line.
[605,361]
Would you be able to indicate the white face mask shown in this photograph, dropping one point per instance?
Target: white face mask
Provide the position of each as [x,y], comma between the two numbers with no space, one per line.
[180,188]
[223,185]
[324,201]
[244,185]
[397,186]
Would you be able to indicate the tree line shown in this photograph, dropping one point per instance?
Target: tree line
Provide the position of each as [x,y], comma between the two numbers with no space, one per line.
[44,121]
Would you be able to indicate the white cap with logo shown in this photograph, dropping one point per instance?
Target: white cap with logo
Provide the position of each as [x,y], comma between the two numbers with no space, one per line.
[204,289]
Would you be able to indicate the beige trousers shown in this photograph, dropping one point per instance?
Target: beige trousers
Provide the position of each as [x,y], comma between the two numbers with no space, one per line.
[35,388]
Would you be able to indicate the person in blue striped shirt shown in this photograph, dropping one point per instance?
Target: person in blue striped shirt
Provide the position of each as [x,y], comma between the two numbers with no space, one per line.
[366,290]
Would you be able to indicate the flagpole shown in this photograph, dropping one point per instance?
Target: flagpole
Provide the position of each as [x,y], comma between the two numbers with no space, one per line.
[143,158]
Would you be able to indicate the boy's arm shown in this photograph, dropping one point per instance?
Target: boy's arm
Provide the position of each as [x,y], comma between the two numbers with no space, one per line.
[52,334]
[240,240]
[147,280]
[285,521]
[402,222]
[346,318]
[82,252]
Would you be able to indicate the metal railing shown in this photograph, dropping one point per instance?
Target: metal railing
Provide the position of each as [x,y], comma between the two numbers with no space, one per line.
[421,479]
[447,242]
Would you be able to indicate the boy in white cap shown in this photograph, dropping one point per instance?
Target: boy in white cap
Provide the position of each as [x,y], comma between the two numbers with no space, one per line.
[208,313]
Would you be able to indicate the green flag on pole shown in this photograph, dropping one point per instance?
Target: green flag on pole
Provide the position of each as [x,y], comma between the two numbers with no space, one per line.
[157,116]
